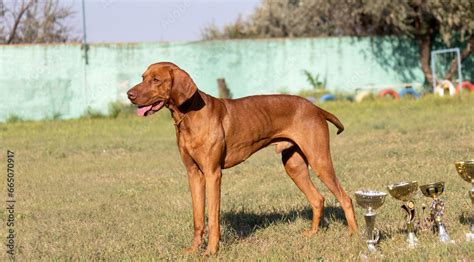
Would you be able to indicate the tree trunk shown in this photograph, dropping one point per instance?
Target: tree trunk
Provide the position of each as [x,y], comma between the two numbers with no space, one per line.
[425,55]
[464,54]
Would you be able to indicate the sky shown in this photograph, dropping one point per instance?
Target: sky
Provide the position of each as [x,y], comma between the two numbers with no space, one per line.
[158,20]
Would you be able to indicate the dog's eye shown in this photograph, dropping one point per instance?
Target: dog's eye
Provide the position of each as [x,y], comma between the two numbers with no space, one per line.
[156,80]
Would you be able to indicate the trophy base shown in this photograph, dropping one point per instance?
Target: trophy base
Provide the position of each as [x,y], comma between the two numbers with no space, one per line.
[412,240]
[470,237]
[370,256]
[444,238]
[443,234]
[371,247]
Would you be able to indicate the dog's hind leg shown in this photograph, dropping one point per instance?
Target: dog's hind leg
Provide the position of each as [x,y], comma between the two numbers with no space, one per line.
[316,150]
[297,168]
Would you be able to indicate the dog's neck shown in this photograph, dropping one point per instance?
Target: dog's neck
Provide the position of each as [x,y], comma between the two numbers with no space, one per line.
[178,113]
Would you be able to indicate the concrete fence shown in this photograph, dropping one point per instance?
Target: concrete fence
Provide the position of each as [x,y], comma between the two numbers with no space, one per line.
[45,81]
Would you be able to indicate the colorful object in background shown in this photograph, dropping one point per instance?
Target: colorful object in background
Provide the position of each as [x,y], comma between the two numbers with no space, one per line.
[327,97]
[389,92]
[409,91]
[466,86]
[362,95]
[311,99]
[445,86]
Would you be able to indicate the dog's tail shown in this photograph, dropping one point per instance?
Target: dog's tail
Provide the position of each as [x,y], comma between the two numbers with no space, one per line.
[333,119]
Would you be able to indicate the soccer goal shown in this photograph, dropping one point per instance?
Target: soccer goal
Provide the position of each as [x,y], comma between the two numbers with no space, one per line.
[440,64]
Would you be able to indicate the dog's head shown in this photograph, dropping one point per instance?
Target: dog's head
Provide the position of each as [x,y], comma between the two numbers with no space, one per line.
[163,84]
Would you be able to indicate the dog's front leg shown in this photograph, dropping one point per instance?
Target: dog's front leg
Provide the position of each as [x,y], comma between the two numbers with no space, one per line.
[213,190]
[197,186]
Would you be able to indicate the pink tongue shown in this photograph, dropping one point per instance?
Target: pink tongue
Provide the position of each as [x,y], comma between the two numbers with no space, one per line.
[141,111]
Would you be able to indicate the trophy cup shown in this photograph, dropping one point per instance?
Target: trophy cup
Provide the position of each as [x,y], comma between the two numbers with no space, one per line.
[405,191]
[370,201]
[434,190]
[466,171]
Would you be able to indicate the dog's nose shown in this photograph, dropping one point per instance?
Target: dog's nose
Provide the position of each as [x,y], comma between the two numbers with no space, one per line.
[132,94]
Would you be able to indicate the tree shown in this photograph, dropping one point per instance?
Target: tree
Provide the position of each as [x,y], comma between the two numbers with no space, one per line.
[35,21]
[421,20]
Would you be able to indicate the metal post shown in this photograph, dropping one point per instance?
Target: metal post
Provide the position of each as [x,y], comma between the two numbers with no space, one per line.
[458,54]
[85,46]
[84,31]
[433,70]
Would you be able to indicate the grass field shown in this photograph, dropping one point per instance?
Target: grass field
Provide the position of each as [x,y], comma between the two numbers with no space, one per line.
[115,189]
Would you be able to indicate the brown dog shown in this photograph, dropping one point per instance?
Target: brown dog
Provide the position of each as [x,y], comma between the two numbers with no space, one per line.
[214,134]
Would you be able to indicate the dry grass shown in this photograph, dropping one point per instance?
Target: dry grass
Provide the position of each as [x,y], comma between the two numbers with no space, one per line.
[115,189]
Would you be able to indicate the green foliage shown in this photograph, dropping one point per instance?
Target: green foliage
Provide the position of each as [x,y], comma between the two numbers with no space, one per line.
[452,20]
[93,114]
[116,109]
[303,18]
[56,116]
[314,80]
[13,119]
[235,30]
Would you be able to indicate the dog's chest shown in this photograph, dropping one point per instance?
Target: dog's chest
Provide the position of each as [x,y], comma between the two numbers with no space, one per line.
[195,140]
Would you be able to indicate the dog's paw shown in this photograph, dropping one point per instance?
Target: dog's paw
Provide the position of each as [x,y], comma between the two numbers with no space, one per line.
[309,232]
[209,252]
[353,233]
[191,249]
[195,246]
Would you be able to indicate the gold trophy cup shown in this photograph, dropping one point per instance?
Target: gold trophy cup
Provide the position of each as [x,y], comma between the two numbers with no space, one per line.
[405,191]
[434,190]
[370,201]
[466,171]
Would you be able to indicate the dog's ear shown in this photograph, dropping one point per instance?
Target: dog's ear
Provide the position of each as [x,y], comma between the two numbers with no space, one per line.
[183,87]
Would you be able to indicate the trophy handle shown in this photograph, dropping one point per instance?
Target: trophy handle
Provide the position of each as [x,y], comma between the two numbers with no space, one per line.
[376,235]
[409,208]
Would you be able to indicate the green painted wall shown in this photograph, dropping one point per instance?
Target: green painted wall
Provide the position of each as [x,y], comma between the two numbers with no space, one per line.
[41,81]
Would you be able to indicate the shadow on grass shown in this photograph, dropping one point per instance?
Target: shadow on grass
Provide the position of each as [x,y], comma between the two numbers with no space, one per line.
[244,223]
[465,218]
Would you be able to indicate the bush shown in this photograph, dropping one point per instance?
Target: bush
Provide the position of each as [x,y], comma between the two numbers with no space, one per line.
[13,119]
[116,109]
[93,114]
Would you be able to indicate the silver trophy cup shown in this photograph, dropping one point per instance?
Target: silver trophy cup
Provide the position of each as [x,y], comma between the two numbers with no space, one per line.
[370,201]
